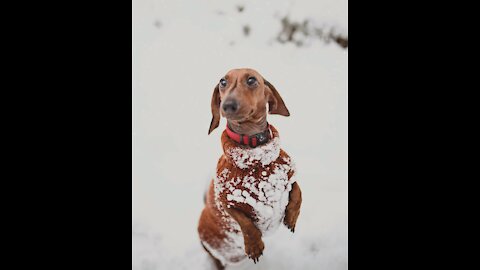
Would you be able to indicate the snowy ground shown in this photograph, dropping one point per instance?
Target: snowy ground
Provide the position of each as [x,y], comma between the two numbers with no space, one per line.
[180,50]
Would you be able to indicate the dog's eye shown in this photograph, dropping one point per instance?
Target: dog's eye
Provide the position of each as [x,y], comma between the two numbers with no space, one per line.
[223,82]
[251,81]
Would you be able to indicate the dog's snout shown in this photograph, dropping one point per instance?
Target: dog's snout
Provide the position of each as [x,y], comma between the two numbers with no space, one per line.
[230,106]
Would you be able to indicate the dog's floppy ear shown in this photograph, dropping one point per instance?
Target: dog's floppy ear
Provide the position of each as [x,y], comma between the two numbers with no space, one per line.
[275,101]
[215,110]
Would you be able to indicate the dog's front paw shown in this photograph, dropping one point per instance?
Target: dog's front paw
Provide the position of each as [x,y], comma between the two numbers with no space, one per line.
[290,219]
[254,248]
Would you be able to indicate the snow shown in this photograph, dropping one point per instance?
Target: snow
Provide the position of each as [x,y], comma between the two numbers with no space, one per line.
[236,196]
[268,196]
[273,195]
[180,50]
[264,154]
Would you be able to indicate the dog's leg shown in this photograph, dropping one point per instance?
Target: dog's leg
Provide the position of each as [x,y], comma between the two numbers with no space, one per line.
[252,236]
[293,208]
[217,262]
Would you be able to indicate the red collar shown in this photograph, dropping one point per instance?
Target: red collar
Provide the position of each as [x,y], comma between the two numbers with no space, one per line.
[253,140]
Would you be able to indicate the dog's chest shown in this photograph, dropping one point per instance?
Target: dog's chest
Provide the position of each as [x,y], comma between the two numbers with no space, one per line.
[260,187]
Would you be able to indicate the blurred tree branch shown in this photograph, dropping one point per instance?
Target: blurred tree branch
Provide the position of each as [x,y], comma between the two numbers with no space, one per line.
[298,33]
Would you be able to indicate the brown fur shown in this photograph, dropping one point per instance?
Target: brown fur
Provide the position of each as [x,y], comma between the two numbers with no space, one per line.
[252,114]
[250,119]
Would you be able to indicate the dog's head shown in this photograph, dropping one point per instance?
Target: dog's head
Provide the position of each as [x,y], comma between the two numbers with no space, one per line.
[242,95]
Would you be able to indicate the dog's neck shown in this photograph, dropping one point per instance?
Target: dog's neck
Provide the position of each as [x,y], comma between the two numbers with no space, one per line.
[249,127]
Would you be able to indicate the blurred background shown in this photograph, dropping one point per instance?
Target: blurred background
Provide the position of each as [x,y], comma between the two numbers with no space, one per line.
[180,51]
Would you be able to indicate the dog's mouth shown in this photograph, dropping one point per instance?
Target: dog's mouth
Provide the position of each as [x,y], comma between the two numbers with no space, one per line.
[239,117]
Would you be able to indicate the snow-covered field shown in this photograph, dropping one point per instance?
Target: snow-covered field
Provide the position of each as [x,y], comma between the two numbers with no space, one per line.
[180,51]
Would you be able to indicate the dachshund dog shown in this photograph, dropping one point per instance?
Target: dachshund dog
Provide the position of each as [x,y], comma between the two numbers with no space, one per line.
[254,189]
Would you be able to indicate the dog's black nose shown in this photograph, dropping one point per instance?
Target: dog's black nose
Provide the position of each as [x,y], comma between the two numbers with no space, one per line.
[230,106]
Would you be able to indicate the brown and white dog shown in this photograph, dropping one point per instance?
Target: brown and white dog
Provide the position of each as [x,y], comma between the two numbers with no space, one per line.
[254,189]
